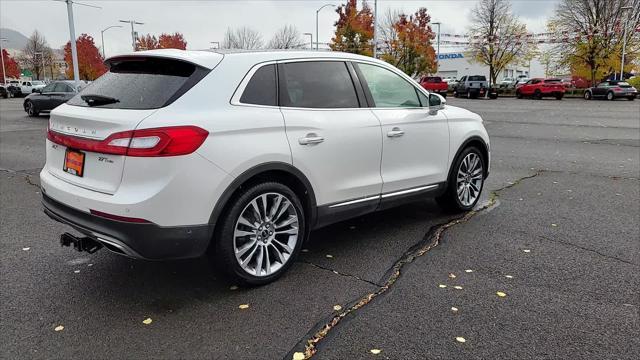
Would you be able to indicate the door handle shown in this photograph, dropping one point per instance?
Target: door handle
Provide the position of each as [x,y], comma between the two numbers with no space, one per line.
[395,132]
[310,139]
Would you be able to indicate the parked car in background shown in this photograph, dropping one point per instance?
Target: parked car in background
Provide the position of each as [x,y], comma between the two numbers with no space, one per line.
[451,83]
[579,82]
[521,80]
[538,88]
[3,92]
[49,97]
[175,154]
[434,84]
[507,83]
[472,86]
[611,90]
[27,87]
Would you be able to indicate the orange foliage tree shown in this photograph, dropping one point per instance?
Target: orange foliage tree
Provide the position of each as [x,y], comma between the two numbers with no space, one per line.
[90,62]
[10,66]
[172,41]
[146,42]
[411,50]
[354,29]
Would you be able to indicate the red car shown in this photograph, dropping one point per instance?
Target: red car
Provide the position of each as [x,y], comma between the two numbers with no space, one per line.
[539,88]
[435,84]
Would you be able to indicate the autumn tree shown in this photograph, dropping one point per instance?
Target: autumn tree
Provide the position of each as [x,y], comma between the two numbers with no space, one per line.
[146,42]
[10,66]
[90,62]
[242,38]
[496,37]
[287,37]
[33,53]
[409,48]
[591,35]
[172,41]
[354,29]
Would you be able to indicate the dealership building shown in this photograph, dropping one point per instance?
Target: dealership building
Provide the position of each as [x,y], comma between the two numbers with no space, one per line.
[457,64]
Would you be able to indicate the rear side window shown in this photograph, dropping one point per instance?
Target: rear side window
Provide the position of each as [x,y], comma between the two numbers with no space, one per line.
[261,89]
[316,84]
[477,78]
[142,83]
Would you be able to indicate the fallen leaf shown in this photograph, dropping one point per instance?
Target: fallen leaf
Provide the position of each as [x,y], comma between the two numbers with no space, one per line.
[298,356]
[527,250]
[442,286]
[501,294]
[330,256]
[508,276]
[375,351]
[76,271]
[26,248]
[58,328]
[460,339]
[468,271]
[147,321]
[454,309]
[458,287]
[233,287]
[89,265]
[452,276]
[352,227]
[520,199]
[243,306]
[554,225]
[305,250]
[337,307]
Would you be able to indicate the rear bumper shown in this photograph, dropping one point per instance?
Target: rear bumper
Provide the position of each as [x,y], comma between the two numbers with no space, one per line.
[143,241]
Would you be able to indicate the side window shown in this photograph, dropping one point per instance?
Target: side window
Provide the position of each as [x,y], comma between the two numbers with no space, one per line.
[424,100]
[316,84]
[604,84]
[387,88]
[261,89]
[48,88]
[59,87]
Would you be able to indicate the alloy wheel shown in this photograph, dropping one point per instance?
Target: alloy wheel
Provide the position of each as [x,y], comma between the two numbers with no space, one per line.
[469,179]
[266,234]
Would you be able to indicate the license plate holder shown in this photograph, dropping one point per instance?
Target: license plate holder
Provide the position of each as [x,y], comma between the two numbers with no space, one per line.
[74,162]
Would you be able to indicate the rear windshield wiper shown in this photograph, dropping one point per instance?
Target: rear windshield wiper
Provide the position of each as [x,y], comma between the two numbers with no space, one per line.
[95,100]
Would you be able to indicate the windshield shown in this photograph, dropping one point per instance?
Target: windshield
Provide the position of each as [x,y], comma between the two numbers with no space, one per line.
[477,78]
[37,82]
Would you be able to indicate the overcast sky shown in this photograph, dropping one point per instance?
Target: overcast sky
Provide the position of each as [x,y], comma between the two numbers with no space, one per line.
[204,21]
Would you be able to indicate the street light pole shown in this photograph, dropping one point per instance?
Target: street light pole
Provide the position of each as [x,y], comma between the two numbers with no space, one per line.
[102,37]
[133,33]
[624,41]
[317,12]
[4,73]
[375,29]
[310,41]
[438,48]
[74,50]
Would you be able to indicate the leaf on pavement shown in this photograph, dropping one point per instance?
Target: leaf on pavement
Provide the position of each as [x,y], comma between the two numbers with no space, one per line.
[460,339]
[76,271]
[527,250]
[509,276]
[147,321]
[305,250]
[243,306]
[375,351]
[454,309]
[442,286]
[26,248]
[58,328]
[329,256]
[298,356]
[554,225]
[458,287]
[452,276]
[233,287]
[468,271]
[337,307]
[501,294]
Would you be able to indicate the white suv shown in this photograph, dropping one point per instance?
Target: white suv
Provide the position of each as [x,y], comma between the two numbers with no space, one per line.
[239,155]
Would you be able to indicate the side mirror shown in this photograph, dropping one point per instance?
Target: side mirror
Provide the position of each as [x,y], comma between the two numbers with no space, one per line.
[436,102]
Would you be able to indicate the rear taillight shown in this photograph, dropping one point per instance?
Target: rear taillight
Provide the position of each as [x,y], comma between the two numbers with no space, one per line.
[166,141]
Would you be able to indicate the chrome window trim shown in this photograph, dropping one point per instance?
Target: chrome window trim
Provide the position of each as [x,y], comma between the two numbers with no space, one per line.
[356,201]
[409,191]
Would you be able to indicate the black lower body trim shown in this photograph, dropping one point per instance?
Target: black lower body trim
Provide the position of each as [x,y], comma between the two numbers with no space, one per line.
[145,241]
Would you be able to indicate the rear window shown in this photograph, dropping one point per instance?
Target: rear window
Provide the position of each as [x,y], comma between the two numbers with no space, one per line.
[623,84]
[142,83]
[433,79]
[553,81]
[477,78]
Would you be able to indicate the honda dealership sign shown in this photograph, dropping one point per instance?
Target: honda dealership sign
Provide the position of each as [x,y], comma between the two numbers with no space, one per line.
[451,56]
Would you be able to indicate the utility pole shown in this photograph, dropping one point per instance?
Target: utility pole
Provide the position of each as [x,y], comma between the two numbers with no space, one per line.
[4,72]
[102,37]
[438,48]
[133,32]
[317,12]
[375,29]
[624,41]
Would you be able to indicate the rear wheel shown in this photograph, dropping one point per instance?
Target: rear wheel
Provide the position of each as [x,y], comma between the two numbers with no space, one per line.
[518,94]
[559,97]
[455,93]
[587,95]
[31,109]
[610,95]
[465,182]
[537,95]
[261,234]
[631,98]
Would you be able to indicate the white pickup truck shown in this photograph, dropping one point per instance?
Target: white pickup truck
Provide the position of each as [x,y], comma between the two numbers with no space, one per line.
[27,87]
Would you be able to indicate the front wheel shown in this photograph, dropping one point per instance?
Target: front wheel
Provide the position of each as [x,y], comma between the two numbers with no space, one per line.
[31,109]
[537,95]
[587,95]
[465,182]
[610,96]
[261,234]
[518,94]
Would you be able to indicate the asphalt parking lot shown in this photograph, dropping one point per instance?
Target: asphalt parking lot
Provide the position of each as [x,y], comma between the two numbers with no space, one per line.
[556,235]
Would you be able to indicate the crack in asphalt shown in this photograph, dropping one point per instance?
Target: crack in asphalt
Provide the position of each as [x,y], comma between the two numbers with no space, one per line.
[27,179]
[428,242]
[340,273]
[556,240]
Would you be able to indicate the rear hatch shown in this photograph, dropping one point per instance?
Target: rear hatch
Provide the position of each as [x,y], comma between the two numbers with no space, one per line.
[554,84]
[477,81]
[87,135]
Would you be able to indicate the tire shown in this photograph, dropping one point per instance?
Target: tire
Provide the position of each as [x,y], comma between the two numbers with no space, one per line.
[587,95]
[455,94]
[450,201]
[469,94]
[631,98]
[31,109]
[242,216]
[537,95]
[518,94]
[559,97]
[610,96]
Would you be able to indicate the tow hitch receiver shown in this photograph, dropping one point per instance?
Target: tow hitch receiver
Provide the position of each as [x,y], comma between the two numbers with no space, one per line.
[81,244]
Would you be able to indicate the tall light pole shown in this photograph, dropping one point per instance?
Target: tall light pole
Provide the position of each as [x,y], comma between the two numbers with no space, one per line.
[41,53]
[317,12]
[375,29]
[4,73]
[102,37]
[438,48]
[624,40]
[311,39]
[133,33]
